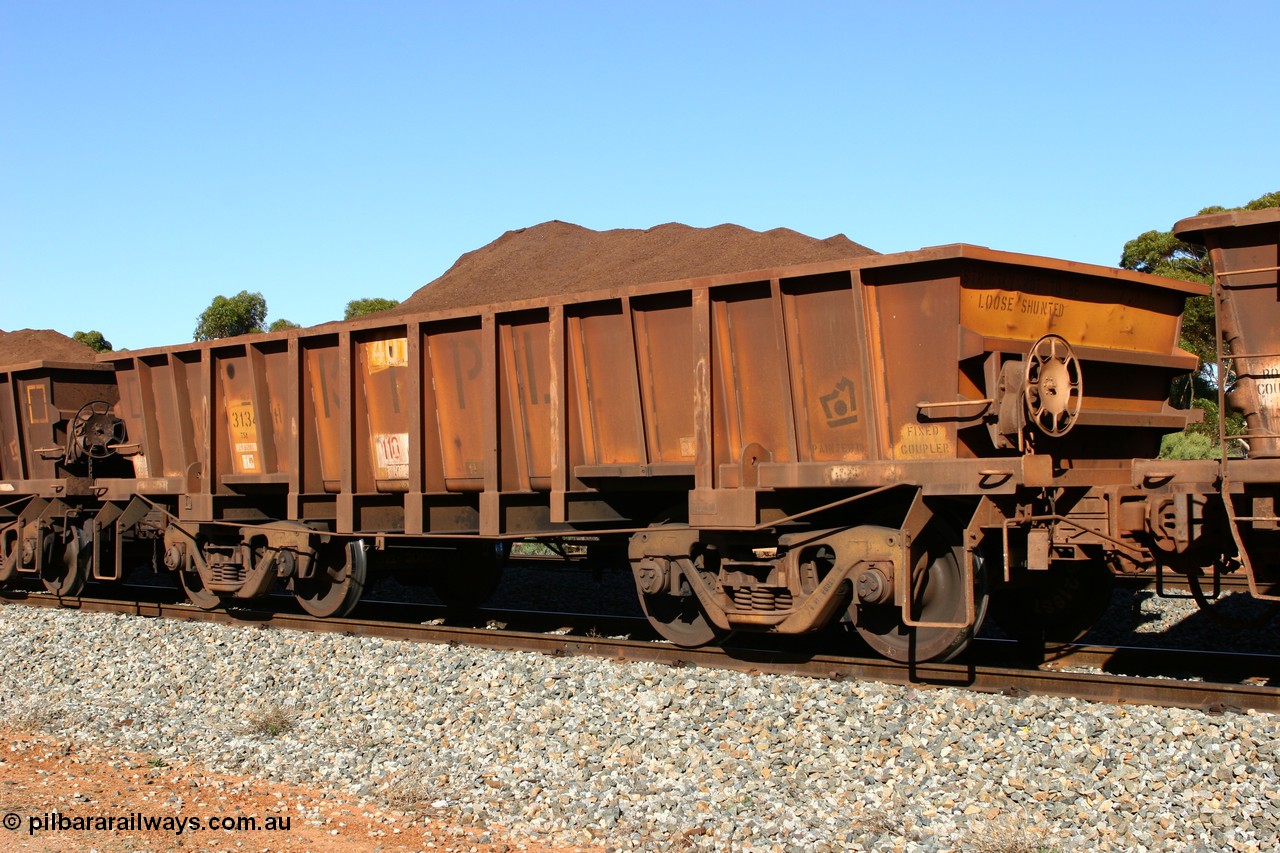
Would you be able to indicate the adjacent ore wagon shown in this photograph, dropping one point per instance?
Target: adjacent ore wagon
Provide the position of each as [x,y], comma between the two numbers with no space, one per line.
[895,443]
[1244,247]
[57,436]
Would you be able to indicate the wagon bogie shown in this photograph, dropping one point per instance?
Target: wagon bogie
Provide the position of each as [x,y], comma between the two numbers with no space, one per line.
[940,607]
[219,563]
[913,591]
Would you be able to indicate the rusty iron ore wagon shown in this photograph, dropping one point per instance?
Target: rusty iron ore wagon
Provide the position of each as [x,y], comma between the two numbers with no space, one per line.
[57,434]
[895,442]
[1241,494]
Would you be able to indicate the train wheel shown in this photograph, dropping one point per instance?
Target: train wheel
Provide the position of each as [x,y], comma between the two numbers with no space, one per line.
[64,574]
[1059,606]
[666,597]
[473,577]
[9,551]
[337,582]
[679,619]
[939,597]
[193,586]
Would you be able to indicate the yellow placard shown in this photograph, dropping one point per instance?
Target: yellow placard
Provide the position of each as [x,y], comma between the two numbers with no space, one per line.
[998,309]
[243,423]
[923,441]
[1266,373]
[380,355]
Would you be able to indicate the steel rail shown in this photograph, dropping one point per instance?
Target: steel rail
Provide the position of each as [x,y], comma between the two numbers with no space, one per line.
[1223,682]
[1234,582]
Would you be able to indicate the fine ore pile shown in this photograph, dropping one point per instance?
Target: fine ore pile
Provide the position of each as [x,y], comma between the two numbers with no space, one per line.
[558,257]
[27,345]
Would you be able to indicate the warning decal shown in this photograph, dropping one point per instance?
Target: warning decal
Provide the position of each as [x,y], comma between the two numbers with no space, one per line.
[392,455]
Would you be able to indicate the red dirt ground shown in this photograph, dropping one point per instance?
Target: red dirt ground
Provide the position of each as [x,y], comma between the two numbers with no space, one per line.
[40,774]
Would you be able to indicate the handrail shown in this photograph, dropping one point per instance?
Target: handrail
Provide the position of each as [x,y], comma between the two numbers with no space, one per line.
[1246,272]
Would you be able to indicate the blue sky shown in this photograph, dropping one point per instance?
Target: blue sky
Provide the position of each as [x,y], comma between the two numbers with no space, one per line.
[156,154]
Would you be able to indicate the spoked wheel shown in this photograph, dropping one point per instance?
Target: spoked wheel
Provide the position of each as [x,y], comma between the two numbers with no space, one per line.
[1052,386]
[939,596]
[96,430]
[337,581]
[471,577]
[193,585]
[1058,606]
[64,574]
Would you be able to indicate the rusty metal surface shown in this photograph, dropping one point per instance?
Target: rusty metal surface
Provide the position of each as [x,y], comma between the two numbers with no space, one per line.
[737,403]
[39,403]
[1196,229]
[57,433]
[164,403]
[1244,247]
[981,314]
[519,419]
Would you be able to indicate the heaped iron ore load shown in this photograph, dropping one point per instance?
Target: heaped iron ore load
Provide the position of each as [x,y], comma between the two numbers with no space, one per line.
[896,444]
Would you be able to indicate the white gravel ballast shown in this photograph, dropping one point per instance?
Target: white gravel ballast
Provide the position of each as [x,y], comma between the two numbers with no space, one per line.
[641,756]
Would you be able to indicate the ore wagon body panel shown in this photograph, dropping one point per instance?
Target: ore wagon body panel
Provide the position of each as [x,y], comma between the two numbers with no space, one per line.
[555,415]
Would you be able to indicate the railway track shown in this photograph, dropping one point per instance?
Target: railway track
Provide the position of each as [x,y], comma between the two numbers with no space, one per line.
[1227,583]
[1210,681]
